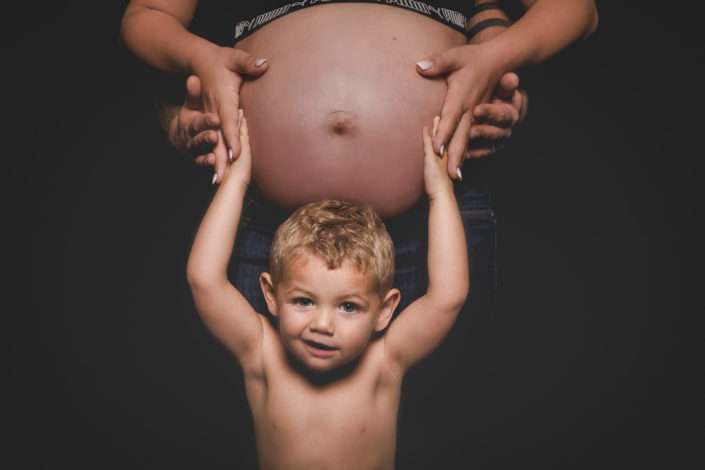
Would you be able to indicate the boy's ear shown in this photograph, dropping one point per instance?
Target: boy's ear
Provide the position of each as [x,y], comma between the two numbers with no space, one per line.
[389,303]
[265,282]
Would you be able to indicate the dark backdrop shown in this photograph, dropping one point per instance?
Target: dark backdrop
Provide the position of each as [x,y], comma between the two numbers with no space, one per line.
[593,359]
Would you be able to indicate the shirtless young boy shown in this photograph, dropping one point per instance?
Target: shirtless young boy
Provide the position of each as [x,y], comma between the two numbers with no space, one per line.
[324,385]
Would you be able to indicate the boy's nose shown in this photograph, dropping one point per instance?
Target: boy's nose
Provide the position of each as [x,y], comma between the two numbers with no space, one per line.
[322,322]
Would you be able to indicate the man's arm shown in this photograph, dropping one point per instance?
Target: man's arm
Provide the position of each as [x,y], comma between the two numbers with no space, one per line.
[226,313]
[421,327]
[492,122]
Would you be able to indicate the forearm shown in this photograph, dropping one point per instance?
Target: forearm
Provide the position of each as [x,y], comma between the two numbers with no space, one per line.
[213,245]
[447,254]
[486,21]
[546,28]
[160,38]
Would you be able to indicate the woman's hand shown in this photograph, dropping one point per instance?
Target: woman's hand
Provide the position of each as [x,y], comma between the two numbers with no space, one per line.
[221,72]
[472,80]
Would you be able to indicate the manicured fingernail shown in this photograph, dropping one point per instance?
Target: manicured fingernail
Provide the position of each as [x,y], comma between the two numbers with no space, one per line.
[230,155]
[424,64]
[215,177]
[259,62]
[460,173]
[442,149]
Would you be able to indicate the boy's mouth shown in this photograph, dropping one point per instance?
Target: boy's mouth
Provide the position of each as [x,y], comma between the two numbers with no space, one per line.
[321,346]
[319,350]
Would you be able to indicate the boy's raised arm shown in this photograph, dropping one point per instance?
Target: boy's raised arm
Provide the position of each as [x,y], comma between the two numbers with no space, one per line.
[226,313]
[422,326]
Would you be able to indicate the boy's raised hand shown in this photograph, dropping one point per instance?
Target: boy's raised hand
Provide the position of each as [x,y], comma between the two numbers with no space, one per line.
[240,168]
[435,168]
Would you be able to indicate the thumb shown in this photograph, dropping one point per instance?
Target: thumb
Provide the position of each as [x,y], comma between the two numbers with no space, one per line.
[248,64]
[193,92]
[438,64]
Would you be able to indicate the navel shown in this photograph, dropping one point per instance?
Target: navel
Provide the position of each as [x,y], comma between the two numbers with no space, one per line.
[341,123]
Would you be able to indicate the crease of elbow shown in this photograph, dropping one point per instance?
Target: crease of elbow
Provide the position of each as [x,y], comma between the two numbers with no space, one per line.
[450,303]
[198,281]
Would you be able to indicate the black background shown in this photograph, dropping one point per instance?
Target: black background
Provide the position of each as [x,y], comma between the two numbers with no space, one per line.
[593,363]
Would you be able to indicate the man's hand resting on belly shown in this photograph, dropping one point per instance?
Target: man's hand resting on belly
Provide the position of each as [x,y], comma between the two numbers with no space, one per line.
[192,130]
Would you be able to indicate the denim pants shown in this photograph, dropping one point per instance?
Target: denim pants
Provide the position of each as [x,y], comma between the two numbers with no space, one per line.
[409,232]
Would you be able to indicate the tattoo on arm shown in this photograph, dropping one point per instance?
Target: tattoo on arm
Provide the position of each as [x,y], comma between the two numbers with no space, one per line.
[487,20]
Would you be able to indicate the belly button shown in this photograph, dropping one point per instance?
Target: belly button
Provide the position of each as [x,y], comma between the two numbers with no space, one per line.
[341,122]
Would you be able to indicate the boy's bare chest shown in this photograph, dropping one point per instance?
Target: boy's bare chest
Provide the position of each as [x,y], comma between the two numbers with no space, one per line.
[308,422]
[342,407]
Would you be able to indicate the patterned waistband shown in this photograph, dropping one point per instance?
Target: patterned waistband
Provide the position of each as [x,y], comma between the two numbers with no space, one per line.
[452,18]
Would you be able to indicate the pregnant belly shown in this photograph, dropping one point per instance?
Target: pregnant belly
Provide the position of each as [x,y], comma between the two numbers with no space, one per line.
[339,113]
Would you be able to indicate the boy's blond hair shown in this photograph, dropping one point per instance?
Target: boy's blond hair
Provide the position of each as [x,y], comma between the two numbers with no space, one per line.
[338,232]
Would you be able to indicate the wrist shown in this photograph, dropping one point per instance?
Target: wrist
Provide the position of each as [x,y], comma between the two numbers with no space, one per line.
[441,193]
[202,56]
[236,179]
[486,21]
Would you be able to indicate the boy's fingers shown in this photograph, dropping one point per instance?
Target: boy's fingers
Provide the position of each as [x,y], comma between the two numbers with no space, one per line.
[231,133]
[436,121]
[458,145]
[244,136]
[221,161]
[450,117]
[426,140]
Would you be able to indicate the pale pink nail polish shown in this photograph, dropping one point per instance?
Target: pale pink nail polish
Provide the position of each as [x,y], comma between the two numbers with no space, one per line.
[424,64]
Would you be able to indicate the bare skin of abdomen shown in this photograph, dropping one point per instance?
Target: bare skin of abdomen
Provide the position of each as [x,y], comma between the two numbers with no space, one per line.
[340,111]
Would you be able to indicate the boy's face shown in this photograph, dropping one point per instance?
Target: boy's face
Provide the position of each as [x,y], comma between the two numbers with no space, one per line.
[326,316]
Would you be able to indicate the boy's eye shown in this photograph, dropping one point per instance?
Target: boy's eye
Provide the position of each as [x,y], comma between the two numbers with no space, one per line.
[349,307]
[304,302]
